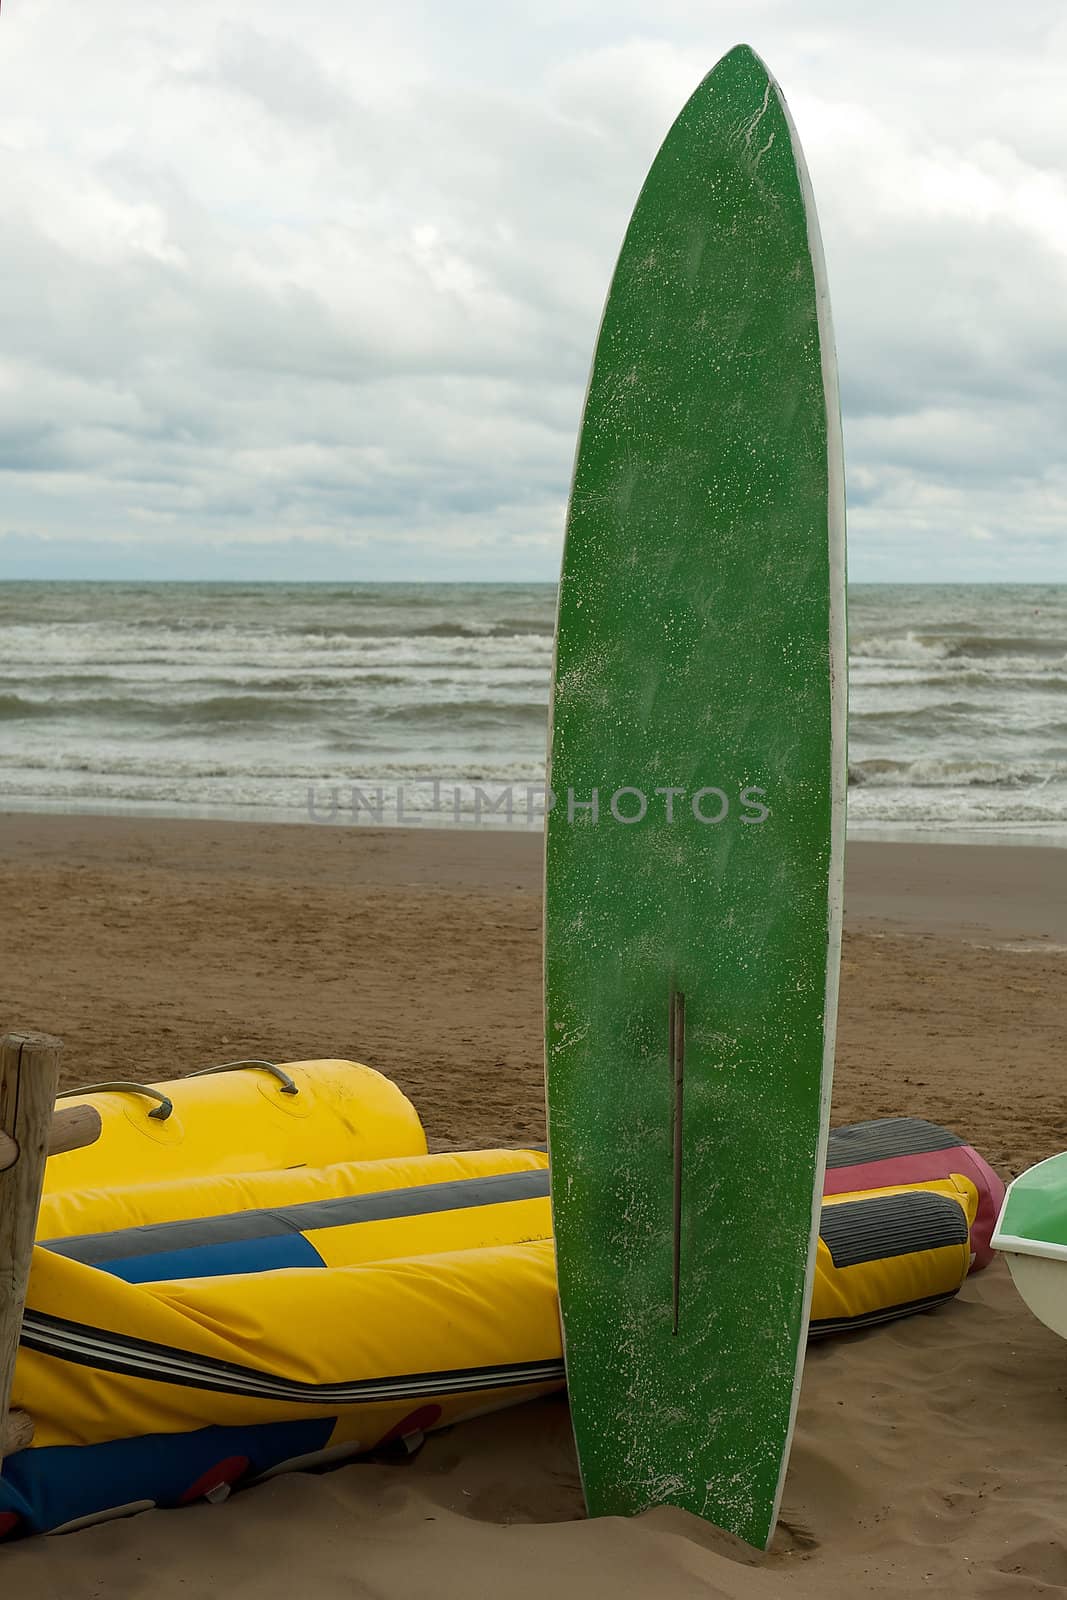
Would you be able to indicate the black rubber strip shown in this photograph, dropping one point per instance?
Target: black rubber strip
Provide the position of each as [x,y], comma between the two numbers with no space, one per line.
[891,1225]
[885,1138]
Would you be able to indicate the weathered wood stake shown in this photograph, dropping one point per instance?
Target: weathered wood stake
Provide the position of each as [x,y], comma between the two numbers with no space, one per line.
[29,1074]
[17,1433]
[72,1128]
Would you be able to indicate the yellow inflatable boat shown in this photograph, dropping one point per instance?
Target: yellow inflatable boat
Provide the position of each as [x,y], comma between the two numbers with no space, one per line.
[239,1300]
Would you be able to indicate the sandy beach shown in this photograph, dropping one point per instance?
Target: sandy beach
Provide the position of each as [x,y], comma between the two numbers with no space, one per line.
[928,1454]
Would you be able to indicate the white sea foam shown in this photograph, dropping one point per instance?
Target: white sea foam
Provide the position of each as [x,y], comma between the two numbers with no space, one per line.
[905,648]
[239,698]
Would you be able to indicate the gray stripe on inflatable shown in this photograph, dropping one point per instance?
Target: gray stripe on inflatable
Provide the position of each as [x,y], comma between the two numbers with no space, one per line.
[158,1238]
[885,1138]
[891,1225]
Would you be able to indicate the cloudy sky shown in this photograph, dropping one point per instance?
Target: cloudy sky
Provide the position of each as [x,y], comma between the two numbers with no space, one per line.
[310,290]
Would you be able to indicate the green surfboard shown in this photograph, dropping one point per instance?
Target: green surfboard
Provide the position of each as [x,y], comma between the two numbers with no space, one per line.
[694,849]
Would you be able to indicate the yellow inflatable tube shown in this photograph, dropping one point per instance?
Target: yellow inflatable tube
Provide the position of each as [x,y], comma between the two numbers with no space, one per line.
[881,1253]
[243,1117]
[169,1354]
[432,1203]
[363,1347]
[885,1253]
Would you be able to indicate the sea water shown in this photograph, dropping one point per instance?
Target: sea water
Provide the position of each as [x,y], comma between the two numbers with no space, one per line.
[428,702]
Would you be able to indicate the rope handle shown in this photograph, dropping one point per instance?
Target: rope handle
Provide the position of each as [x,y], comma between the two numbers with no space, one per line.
[166,1106]
[288,1086]
[161,1113]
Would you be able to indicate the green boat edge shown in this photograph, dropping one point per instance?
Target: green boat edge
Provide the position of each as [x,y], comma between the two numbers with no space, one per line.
[1033,1218]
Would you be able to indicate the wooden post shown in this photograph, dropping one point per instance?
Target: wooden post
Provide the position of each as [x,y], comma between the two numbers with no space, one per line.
[29,1075]
[72,1128]
[17,1433]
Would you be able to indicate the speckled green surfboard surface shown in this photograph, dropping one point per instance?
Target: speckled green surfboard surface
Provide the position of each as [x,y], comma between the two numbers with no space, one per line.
[693,918]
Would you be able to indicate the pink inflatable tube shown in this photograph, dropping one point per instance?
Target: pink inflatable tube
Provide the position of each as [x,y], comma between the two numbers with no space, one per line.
[892,1150]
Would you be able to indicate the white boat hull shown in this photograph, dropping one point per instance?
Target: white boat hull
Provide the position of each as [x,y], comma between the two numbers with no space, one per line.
[1042,1283]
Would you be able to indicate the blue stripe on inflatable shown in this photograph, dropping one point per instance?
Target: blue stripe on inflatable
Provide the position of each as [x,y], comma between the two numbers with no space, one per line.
[56,1484]
[217,1260]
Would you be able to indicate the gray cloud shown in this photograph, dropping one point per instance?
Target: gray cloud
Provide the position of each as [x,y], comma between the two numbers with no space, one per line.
[323,288]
